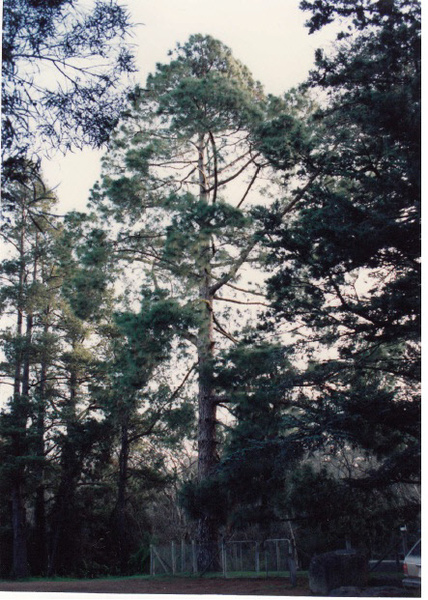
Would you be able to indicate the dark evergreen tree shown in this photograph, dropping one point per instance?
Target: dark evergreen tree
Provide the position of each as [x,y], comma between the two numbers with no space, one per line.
[347,278]
[141,412]
[27,297]
[81,436]
[47,363]
[249,482]
[328,513]
[81,383]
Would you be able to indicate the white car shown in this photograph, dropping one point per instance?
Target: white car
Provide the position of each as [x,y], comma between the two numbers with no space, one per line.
[412,567]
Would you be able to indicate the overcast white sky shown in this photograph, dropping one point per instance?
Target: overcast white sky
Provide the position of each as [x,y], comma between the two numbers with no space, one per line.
[268,36]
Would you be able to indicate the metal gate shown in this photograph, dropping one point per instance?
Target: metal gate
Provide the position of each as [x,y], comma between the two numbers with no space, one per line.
[271,556]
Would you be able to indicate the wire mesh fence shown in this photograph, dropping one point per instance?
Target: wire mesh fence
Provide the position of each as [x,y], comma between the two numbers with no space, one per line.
[272,556]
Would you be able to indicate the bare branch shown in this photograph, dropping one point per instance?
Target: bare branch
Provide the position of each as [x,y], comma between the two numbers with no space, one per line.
[222,298]
[223,332]
[250,185]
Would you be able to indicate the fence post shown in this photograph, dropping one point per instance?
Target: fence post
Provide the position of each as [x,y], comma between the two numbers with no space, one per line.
[152,561]
[292,562]
[173,558]
[278,556]
[223,558]
[183,558]
[292,569]
[257,557]
[194,565]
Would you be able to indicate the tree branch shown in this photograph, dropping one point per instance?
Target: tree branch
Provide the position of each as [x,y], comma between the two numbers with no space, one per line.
[222,298]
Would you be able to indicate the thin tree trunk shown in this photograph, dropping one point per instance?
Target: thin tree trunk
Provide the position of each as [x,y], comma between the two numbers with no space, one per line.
[121,499]
[20,553]
[70,464]
[20,409]
[40,544]
[40,555]
[20,560]
[62,503]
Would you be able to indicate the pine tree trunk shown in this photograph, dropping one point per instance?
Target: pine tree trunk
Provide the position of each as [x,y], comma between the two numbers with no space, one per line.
[207,443]
[207,408]
[20,561]
[70,467]
[120,516]
[20,410]
[62,504]
[40,555]
[19,549]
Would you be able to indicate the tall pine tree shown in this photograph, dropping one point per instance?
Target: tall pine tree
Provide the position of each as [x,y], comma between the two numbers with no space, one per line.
[181,179]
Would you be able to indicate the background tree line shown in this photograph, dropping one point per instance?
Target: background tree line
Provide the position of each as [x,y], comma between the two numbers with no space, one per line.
[227,341]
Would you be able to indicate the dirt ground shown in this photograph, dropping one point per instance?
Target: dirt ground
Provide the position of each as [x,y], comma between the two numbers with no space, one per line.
[274,586]
[262,586]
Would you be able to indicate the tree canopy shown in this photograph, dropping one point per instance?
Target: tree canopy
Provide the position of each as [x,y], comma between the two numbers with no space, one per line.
[348,275]
[61,69]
